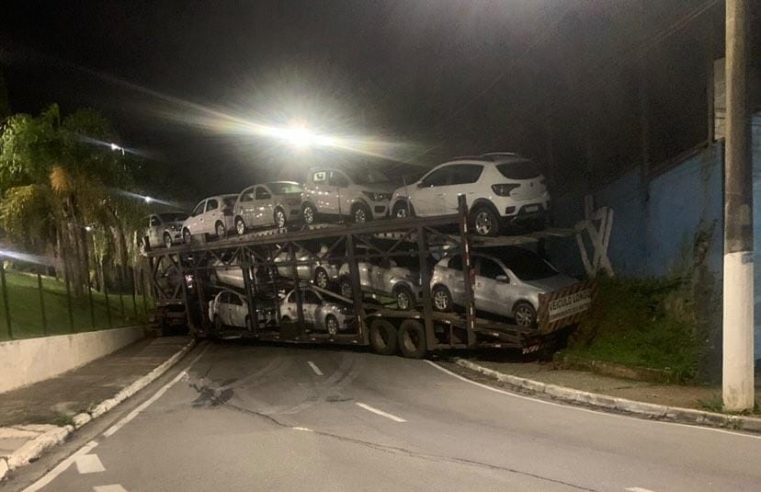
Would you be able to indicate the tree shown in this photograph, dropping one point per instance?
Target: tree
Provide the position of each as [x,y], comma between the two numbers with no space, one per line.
[50,168]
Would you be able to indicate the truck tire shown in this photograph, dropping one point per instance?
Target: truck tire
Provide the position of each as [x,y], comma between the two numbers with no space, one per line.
[383,339]
[412,342]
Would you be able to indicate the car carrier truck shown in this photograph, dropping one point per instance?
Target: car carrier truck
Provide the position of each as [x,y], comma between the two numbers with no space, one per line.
[189,275]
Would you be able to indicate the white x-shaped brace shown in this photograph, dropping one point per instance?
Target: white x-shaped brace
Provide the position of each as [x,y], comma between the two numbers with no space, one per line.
[598,225]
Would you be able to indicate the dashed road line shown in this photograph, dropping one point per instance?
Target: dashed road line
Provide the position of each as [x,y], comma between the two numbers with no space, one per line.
[134,413]
[638,489]
[314,368]
[109,488]
[60,468]
[379,412]
[89,463]
[303,429]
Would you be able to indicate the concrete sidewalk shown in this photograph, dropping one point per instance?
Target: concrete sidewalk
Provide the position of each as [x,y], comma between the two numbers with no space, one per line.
[42,409]
[705,398]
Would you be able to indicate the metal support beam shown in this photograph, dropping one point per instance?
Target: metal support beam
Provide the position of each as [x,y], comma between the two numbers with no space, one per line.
[356,289]
[425,280]
[467,270]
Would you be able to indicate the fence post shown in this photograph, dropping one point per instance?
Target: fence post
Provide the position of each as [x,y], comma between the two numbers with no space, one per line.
[121,296]
[5,300]
[134,294]
[145,291]
[68,303]
[108,305]
[42,305]
[92,306]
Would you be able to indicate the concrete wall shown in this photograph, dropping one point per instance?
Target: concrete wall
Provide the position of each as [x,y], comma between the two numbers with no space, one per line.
[28,361]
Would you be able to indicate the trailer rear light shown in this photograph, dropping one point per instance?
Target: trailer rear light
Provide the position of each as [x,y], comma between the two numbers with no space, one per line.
[504,189]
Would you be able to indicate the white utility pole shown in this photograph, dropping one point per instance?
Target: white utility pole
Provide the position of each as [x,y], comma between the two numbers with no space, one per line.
[737,374]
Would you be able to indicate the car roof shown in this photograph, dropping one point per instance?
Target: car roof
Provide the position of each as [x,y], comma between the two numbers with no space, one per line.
[488,158]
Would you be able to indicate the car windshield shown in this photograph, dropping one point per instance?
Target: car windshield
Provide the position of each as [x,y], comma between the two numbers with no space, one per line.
[519,169]
[525,264]
[284,187]
[367,176]
[173,217]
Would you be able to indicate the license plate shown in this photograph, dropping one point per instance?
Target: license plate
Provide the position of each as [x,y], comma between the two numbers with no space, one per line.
[532,208]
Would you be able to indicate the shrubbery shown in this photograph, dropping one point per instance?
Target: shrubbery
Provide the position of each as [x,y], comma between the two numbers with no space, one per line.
[645,323]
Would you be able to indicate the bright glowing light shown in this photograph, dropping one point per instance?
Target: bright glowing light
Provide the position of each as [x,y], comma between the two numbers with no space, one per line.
[146,199]
[39,260]
[88,228]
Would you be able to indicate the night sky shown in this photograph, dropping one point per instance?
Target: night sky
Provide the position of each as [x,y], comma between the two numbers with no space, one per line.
[422,74]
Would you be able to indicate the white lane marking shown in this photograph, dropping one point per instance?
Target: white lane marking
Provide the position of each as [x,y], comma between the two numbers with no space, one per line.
[303,429]
[134,413]
[89,463]
[379,412]
[638,489]
[109,488]
[588,410]
[60,468]
[314,368]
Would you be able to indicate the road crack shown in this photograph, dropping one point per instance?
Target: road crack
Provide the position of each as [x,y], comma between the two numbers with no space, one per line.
[407,452]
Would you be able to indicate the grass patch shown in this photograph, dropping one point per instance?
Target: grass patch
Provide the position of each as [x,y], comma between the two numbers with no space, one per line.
[641,323]
[27,315]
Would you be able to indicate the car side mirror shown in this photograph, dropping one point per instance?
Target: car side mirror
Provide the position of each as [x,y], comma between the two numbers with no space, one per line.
[502,278]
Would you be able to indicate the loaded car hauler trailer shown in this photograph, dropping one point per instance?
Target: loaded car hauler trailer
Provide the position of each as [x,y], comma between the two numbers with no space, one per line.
[270,264]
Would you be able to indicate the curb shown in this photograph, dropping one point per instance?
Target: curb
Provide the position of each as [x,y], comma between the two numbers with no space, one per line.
[610,403]
[31,450]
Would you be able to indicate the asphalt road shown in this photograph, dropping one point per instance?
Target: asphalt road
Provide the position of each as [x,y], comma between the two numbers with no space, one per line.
[245,417]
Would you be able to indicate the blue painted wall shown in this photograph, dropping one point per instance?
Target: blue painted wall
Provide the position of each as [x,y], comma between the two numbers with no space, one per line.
[656,220]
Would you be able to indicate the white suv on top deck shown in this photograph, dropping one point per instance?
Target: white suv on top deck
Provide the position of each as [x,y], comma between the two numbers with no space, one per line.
[362,194]
[501,189]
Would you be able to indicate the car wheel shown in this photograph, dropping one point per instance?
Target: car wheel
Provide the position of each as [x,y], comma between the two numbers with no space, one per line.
[524,314]
[346,289]
[331,324]
[361,214]
[309,213]
[412,339]
[403,209]
[404,298]
[280,218]
[442,299]
[219,229]
[485,222]
[321,278]
[167,240]
[383,337]
[186,236]
[240,226]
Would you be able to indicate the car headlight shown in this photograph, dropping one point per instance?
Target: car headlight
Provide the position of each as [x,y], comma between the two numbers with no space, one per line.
[377,197]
